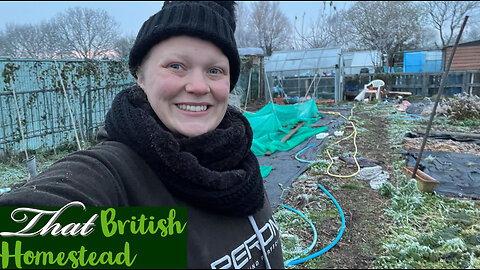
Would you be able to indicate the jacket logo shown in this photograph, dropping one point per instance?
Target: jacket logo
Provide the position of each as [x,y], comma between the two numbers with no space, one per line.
[242,254]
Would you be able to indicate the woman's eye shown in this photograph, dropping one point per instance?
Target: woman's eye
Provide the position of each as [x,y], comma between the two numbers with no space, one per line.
[215,71]
[175,66]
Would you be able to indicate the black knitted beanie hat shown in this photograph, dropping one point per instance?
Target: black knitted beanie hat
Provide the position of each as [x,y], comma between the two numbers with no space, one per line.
[208,20]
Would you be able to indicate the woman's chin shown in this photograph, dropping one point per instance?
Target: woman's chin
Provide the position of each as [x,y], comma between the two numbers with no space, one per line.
[193,131]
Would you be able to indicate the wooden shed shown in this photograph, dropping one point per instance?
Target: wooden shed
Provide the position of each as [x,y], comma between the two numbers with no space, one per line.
[467,56]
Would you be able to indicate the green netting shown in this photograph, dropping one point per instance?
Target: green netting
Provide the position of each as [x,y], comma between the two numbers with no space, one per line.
[265,170]
[273,122]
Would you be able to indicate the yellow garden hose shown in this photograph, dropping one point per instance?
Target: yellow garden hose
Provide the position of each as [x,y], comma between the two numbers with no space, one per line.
[354,134]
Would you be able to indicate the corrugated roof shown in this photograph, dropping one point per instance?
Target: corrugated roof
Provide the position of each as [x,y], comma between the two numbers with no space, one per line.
[471,43]
[250,51]
[306,60]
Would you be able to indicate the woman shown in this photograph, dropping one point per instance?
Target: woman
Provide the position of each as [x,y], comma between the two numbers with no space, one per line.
[172,140]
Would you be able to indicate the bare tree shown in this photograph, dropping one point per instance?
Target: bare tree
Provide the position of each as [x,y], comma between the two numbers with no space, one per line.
[428,39]
[2,44]
[53,44]
[338,29]
[386,26]
[23,41]
[33,41]
[472,34]
[270,26]
[87,33]
[447,17]
[123,45]
[327,30]
[243,34]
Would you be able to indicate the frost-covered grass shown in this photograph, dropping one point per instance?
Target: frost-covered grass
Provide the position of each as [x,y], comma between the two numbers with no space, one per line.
[13,171]
[429,231]
[422,230]
[291,245]
[11,174]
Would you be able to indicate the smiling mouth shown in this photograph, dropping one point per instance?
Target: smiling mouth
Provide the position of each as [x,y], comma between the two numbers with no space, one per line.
[191,108]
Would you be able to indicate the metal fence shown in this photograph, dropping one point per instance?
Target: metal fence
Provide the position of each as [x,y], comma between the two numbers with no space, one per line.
[421,84]
[53,101]
[319,87]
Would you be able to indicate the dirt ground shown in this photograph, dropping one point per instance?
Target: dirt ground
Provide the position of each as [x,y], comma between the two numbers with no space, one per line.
[363,206]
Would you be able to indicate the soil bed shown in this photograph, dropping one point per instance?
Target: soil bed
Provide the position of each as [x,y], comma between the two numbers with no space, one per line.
[363,206]
[368,227]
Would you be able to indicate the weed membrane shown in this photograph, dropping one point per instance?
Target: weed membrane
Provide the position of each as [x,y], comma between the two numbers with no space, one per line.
[458,174]
[444,137]
[286,168]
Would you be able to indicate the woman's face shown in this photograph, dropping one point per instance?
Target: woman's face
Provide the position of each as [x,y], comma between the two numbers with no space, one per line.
[187,83]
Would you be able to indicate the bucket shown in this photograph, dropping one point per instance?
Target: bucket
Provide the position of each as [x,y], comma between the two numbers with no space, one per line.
[425,182]
[31,166]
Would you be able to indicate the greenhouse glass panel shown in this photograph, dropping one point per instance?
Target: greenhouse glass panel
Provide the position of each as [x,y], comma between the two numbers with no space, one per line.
[295,55]
[291,65]
[309,63]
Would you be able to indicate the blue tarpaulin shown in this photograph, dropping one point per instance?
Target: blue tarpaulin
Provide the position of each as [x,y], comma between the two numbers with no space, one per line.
[425,61]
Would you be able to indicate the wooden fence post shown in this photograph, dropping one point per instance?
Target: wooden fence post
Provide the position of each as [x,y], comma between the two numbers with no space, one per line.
[465,82]
[425,84]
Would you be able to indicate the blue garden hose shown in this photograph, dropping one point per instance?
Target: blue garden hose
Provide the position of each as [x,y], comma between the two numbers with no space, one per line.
[408,119]
[339,108]
[314,235]
[314,255]
[302,160]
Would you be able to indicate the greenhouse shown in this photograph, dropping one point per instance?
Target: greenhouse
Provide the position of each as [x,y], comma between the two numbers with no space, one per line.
[360,61]
[299,74]
[317,73]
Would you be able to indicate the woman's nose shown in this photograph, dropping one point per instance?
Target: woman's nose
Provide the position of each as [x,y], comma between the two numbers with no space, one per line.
[197,83]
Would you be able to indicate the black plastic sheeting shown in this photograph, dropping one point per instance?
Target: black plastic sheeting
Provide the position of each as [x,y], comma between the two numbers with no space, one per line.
[458,174]
[444,137]
[286,168]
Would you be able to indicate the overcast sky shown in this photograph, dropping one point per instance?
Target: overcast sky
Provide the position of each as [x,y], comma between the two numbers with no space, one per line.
[129,14]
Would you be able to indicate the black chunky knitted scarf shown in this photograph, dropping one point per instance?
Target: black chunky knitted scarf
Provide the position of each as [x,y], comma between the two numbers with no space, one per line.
[215,170]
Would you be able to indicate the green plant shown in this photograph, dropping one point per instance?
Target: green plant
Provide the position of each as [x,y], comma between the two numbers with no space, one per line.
[353,186]
[387,189]
[406,201]
[320,167]
[468,122]
[430,158]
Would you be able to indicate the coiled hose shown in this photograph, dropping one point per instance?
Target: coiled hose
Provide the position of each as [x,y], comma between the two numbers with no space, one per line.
[316,254]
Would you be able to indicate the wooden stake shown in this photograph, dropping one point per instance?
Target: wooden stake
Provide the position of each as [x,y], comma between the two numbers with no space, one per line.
[290,134]
[443,80]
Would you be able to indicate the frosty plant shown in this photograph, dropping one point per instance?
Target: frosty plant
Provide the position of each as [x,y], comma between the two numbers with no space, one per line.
[463,106]
[287,220]
[320,166]
[430,158]
[406,201]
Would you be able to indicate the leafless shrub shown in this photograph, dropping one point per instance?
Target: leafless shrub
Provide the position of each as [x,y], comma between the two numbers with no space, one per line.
[463,106]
